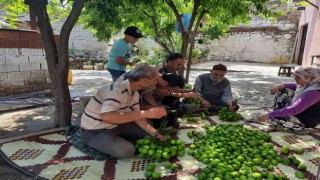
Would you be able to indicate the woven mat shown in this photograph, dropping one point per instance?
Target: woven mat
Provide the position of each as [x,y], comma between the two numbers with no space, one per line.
[49,155]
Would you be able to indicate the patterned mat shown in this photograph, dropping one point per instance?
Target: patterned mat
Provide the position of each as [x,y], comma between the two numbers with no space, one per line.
[50,155]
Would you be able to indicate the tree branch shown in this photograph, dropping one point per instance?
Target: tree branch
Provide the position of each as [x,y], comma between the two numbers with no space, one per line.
[63,5]
[163,45]
[193,14]
[176,13]
[66,30]
[144,12]
[156,29]
[317,7]
[47,37]
[198,21]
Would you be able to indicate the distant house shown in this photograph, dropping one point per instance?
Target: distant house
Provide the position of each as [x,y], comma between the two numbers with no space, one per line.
[308,46]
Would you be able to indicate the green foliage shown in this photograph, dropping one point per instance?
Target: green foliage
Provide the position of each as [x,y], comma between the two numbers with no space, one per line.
[302,3]
[196,53]
[14,8]
[159,56]
[72,50]
[102,17]
[187,86]
[215,31]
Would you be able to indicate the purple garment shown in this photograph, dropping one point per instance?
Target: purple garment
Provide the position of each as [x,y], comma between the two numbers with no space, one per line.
[306,100]
[291,86]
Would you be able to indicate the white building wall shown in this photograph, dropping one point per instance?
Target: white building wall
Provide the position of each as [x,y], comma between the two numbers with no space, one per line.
[23,70]
[253,47]
[82,42]
[259,41]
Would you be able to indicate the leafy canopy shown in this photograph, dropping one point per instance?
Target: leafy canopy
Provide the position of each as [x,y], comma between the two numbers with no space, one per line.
[16,8]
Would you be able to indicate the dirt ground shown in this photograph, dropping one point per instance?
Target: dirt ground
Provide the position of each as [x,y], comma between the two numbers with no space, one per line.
[250,82]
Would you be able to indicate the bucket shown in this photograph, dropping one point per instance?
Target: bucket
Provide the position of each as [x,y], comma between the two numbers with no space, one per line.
[69,77]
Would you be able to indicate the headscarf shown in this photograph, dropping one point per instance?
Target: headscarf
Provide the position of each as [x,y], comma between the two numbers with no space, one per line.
[309,74]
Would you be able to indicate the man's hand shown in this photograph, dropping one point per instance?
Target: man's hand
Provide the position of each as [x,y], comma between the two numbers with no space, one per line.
[205,103]
[159,136]
[132,63]
[191,95]
[263,118]
[154,113]
[231,107]
[162,92]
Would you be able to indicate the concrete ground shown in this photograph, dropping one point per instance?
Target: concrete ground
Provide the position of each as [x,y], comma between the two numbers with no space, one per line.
[250,82]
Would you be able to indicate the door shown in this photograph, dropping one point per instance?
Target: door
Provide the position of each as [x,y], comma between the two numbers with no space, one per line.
[302,45]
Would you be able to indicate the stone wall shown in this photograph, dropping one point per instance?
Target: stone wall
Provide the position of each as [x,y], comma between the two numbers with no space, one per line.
[259,41]
[82,42]
[266,47]
[23,70]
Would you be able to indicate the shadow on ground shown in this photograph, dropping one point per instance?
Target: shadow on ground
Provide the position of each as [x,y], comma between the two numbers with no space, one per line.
[31,120]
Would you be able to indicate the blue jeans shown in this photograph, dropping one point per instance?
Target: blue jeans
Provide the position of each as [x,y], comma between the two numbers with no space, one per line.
[115,73]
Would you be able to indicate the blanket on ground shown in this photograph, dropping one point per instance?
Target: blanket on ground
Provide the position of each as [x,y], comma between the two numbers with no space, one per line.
[51,156]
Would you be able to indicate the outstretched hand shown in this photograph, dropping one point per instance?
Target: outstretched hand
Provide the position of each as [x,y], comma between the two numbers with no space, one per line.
[192,95]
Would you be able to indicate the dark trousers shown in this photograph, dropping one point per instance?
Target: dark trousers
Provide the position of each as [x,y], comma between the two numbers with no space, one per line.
[115,73]
[114,142]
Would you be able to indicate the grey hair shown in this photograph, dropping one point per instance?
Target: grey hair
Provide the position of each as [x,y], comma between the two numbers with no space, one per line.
[143,70]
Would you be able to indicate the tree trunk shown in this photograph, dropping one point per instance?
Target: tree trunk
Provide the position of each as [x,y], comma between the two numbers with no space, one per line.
[189,62]
[57,58]
[184,48]
[192,41]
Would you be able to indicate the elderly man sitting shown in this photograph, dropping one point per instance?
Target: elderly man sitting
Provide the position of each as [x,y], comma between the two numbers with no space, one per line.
[214,89]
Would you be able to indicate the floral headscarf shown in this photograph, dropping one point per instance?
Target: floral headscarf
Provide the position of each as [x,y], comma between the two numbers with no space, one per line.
[309,74]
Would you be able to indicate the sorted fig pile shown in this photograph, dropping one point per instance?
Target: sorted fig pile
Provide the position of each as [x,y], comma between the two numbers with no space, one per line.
[236,152]
[151,147]
[151,173]
[192,120]
[226,115]
[187,86]
[195,101]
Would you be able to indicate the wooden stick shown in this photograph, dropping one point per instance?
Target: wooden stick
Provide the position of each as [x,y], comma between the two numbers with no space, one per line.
[317,7]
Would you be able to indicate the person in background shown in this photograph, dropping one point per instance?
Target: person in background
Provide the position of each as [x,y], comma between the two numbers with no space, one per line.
[214,89]
[120,54]
[113,117]
[297,105]
[167,94]
[147,99]
[174,63]
[167,97]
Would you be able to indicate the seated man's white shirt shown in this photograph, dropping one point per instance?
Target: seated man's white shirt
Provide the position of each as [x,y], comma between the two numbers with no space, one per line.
[116,97]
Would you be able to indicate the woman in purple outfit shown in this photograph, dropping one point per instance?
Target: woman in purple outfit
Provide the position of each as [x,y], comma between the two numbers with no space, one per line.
[297,106]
